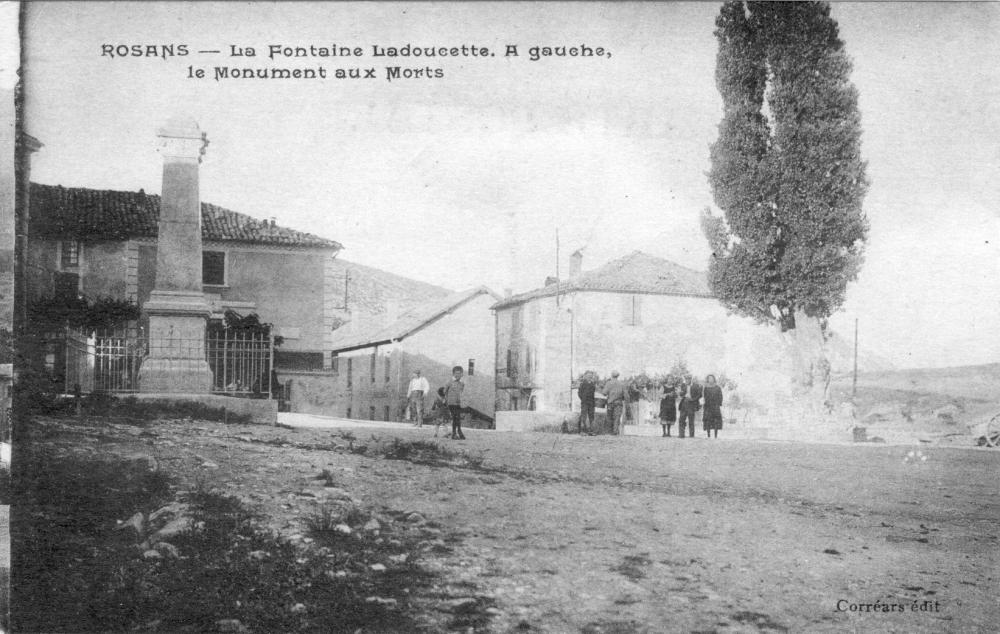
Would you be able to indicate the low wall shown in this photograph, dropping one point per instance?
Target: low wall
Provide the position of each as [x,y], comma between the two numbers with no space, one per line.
[260,411]
[315,392]
[533,421]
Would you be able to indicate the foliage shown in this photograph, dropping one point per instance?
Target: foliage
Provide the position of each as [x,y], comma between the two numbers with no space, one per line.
[78,312]
[787,173]
[251,324]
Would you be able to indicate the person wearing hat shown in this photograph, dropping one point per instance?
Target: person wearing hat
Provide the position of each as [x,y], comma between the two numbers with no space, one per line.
[614,390]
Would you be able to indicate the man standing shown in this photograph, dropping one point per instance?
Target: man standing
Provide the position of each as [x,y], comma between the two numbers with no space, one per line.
[690,403]
[586,394]
[614,390]
[415,394]
[453,397]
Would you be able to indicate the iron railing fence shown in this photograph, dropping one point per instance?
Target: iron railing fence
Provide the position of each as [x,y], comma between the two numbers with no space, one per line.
[241,362]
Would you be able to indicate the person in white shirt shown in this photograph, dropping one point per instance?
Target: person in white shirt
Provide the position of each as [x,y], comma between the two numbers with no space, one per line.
[415,393]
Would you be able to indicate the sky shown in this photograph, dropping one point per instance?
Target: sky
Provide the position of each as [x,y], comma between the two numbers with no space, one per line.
[468,178]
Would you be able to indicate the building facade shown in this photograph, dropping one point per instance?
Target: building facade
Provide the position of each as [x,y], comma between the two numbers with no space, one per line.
[372,363]
[637,315]
[102,244]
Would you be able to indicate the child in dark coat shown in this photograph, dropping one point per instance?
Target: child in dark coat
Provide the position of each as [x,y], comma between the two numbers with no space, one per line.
[668,409]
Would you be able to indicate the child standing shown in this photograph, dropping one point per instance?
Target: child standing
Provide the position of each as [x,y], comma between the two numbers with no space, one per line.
[668,409]
[453,397]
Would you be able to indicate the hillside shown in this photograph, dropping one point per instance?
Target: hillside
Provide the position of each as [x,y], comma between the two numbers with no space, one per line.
[372,292]
[932,404]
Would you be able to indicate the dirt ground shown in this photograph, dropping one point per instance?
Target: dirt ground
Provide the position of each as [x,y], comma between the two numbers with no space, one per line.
[559,533]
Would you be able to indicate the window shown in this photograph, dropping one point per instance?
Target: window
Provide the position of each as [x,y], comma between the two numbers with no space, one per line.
[350,373]
[371,413]
[472,367]
[513,403]
[371,373]
[67,285]
[348,411]
[387,413]
[335,363]
[512,363]
[69,253]
[388,367]
[213,268]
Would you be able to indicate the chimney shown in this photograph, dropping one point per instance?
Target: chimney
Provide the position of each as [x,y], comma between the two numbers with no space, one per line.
[508,293]
[575,264]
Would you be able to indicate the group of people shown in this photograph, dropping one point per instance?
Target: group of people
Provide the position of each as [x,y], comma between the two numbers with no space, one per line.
[447,406]
[685,398]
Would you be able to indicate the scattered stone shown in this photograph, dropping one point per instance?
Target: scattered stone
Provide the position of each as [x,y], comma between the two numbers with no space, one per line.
[378,567]
[143,461]
[398,559]
[170,511]
[343,528]
[168,550]
[172,528]
[388,602]
[461,604]
[134,524]
[415,518]
[831,551]
[231,625]
[335,492]
[298,608]
[373,525]
[493,611]
[152,554]
[258,555]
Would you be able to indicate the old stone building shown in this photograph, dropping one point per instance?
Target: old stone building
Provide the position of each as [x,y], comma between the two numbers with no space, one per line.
[372,363]
[103,243]
[638,314]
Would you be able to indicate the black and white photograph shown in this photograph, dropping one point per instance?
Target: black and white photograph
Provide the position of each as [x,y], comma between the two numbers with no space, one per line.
[585,317]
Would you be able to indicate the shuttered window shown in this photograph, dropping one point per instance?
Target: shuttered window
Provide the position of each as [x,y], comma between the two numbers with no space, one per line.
[213,268]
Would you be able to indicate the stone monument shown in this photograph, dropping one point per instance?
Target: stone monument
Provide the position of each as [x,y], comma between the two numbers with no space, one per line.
[177,308]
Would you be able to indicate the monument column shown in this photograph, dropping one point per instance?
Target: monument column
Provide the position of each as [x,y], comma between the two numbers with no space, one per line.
[177,309]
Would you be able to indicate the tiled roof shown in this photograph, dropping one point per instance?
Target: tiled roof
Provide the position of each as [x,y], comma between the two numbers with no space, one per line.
[637,272]
[408,323]
[60,212]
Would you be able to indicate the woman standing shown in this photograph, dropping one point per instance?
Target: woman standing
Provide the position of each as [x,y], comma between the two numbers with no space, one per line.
[711,419]
[668,408]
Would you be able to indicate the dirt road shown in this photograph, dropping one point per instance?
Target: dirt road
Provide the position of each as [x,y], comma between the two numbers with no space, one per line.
[558,533]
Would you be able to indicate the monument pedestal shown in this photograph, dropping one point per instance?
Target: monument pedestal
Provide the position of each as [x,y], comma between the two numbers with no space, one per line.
[176,362]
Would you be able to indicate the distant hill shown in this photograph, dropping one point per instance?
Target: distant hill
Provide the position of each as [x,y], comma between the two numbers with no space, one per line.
[840,351]
[372,294]
[980,382]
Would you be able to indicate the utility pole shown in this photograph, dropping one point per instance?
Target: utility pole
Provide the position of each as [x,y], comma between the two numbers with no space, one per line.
[557,267]
[854,388]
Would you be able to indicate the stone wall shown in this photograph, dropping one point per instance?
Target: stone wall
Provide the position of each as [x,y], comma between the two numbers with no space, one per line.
[632,334]
[260,411]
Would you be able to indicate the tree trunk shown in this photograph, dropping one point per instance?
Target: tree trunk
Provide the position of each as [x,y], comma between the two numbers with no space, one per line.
[809,364]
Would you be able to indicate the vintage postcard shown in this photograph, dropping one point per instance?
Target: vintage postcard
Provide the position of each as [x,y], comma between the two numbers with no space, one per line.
[491,317]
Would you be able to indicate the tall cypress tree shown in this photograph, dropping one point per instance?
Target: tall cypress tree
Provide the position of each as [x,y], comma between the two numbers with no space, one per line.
[786,169]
